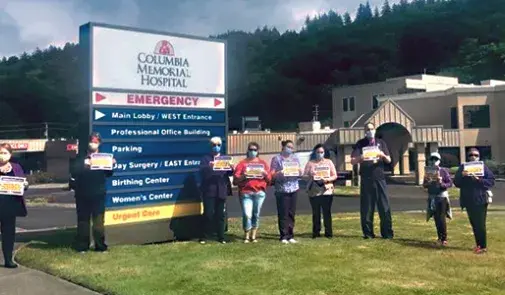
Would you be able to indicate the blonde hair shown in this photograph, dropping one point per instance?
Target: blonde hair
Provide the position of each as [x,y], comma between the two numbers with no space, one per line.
[216,140]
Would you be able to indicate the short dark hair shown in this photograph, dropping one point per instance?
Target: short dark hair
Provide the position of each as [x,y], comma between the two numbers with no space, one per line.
[285,142]
[318,146]
[95,135]
[6,146]
[253,143]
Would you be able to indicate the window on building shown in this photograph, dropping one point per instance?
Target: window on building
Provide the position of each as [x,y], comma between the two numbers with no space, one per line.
[484,151]
[476,116]
[347,123]
[348,104]
[375,100]
[454,118]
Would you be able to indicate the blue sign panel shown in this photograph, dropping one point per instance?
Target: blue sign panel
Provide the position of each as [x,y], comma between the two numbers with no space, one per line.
[158,164]
[165,132]
[113,200]
[161,149]
[137,116]
[147,181]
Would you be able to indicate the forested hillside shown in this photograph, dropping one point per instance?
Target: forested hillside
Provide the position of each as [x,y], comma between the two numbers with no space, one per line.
[278,77]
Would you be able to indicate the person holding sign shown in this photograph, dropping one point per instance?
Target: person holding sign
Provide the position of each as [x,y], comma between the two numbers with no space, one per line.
[12,204]
[215,171]
[89,175]
[286,172]
[437,180]
[252,175]
[321,174]
[474,195]
[371,154]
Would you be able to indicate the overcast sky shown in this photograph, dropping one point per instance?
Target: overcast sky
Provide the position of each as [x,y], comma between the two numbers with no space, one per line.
[27,24]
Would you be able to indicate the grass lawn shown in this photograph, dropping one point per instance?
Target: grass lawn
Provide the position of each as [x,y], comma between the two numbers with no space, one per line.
[353,191]
[347,264]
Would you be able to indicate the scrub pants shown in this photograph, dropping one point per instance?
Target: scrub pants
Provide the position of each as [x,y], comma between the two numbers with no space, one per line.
[477,215]
[90,209]
[8,230]
[374,192]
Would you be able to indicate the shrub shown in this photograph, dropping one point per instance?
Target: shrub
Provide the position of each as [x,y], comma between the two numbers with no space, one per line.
[43,178]
[453,170]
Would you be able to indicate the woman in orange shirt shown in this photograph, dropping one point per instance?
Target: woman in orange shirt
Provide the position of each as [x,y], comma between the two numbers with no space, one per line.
[252,177]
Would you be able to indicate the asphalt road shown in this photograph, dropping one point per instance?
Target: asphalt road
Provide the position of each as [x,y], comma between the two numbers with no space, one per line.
[402,198]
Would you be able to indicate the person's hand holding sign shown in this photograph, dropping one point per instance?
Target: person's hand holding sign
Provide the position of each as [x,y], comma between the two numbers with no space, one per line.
[87,163]
[211,164]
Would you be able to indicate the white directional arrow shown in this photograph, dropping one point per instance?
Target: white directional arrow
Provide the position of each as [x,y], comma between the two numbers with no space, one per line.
[99,115]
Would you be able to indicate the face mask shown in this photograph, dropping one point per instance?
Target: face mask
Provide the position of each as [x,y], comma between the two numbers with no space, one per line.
[319,156]
[4,158]
[436,163]
[252,154]
[93,146]
[288,151]
[370,134]
[216,148]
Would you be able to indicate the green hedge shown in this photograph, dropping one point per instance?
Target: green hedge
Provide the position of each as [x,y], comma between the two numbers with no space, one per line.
[43,178]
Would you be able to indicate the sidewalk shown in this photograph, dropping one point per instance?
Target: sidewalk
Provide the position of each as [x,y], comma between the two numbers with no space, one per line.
[27,281]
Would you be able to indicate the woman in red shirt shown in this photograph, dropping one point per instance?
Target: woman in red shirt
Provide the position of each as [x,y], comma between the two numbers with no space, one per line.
[252,177]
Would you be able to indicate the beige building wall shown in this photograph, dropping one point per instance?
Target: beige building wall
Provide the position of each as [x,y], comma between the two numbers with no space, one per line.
[434,110]
[363,99]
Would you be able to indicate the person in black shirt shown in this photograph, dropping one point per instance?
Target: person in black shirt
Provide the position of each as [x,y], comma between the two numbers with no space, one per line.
[373,183]
[89,186]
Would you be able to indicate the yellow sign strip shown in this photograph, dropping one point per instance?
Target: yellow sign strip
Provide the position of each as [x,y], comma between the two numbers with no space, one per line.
[134,215]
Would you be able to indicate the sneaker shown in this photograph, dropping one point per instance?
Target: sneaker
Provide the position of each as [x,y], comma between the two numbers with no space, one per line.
[479,250]
[284,241]
[315,236]
[444,243]
[246,241]
[203,242]
[222,242]
[292,241]
[254,240]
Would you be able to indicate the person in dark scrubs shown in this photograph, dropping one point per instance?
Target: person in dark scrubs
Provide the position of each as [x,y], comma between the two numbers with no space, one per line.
[439,205]
[475,196]
[90,198]
[11,206]
[215,187]
[373,184]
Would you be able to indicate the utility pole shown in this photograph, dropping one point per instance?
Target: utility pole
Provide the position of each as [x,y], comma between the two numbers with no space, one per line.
[315,113]
[46,130]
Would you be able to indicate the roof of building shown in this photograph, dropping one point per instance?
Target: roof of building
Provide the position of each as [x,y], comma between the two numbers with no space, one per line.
[366,117]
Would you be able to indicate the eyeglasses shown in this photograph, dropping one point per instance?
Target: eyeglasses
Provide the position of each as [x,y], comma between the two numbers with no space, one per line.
[216,144]
[473,155]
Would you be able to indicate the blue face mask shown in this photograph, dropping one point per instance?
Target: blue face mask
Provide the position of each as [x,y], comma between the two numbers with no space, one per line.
[252,154]
[319,156]
[288,151]
[216,148]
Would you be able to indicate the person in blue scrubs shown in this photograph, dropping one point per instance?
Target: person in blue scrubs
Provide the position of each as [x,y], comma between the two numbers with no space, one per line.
[373,184]
[475,196]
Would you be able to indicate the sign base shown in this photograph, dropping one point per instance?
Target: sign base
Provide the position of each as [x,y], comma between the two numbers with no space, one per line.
[182,228]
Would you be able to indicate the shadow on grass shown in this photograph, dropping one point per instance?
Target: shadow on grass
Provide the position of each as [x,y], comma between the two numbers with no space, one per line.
[425,244]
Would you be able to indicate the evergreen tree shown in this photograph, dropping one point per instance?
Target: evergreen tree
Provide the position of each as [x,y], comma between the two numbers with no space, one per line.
[376,13]
[386,8]
[347,19]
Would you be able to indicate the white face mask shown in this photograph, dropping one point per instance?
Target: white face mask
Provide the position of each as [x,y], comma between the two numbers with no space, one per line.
[93,146]
[4,158]
[370,134]
[436,163]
